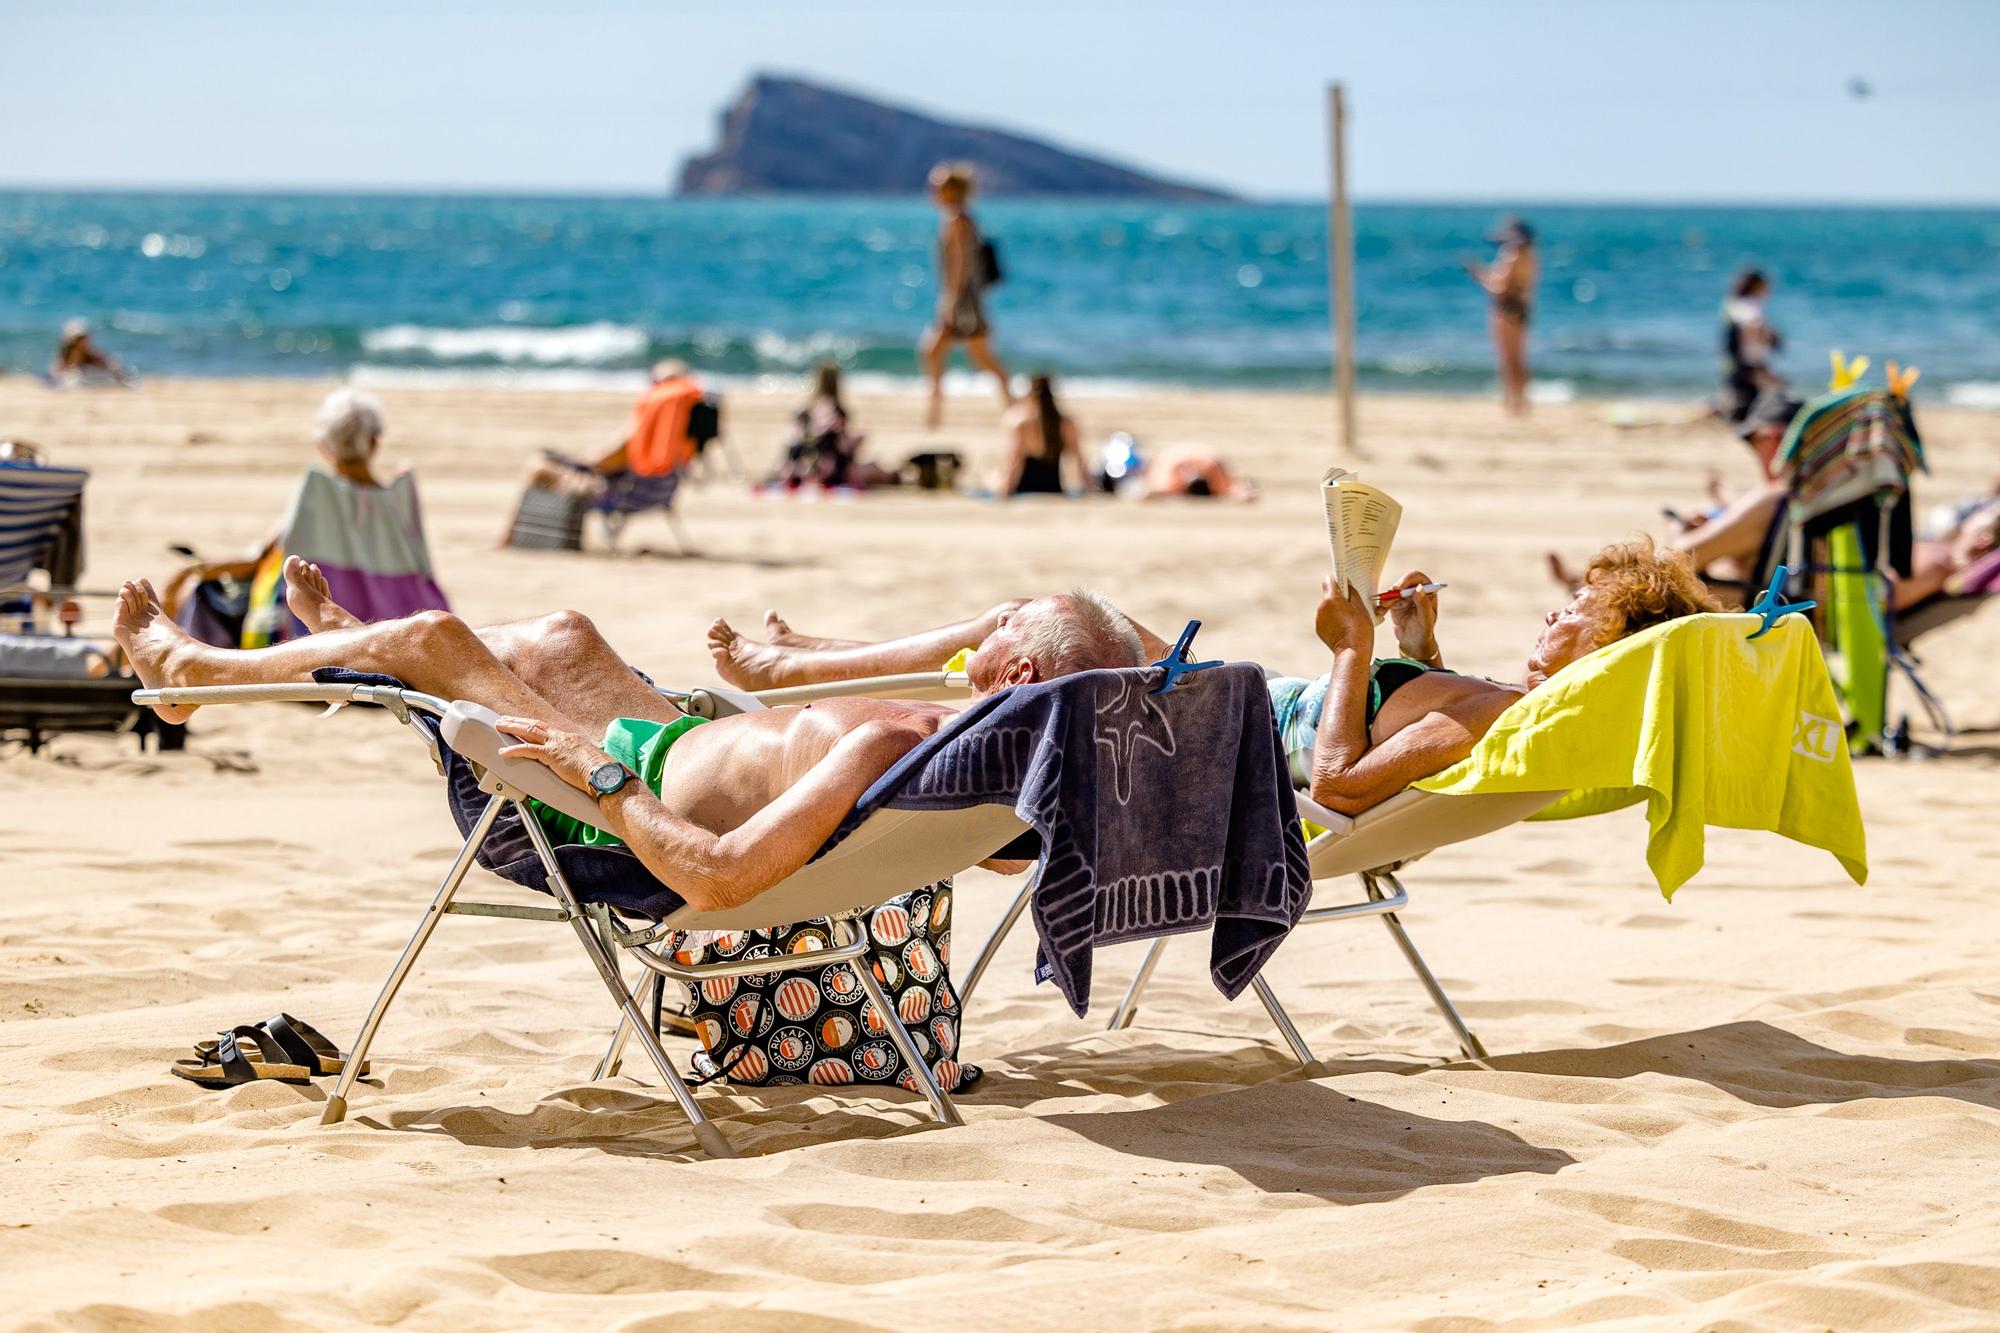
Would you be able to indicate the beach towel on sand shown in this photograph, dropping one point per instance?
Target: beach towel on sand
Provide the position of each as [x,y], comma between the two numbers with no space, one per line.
[1152,815]
[1704,724]
[367,540]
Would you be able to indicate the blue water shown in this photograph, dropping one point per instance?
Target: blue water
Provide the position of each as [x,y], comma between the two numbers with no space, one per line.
[590,290]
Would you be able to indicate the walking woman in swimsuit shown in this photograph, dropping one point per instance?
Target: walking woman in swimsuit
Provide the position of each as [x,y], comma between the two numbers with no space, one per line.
[961,314]
[1510,289]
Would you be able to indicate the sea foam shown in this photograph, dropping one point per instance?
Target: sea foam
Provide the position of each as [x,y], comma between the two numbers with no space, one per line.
[581,345]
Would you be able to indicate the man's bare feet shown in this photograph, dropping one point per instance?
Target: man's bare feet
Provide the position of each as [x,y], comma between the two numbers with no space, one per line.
[784,636]
[747,665]
[312,601]
[153,643]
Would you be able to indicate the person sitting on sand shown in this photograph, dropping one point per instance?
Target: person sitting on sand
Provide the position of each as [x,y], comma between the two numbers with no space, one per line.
[350,513]
[79,358]
[827,449]
[1392,721]
[745,801]
[1040,439]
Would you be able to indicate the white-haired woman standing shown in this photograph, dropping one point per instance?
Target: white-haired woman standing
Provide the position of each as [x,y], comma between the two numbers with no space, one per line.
[363,535]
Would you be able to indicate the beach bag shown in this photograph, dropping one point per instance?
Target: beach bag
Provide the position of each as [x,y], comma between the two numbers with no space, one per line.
[990,274]
[817,1026]
[704,422]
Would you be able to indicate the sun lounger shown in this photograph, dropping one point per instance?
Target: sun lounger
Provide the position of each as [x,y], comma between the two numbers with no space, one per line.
[46,685]
[968,794]
[1378,843]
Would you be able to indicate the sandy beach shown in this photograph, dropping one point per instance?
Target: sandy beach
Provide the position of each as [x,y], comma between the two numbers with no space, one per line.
[1771,1104]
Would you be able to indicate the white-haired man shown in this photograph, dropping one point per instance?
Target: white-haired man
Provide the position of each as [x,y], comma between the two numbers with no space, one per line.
[746,800]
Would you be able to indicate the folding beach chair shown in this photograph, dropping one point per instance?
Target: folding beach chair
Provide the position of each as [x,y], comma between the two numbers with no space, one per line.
[46,680]
[905,833]
[1376,844]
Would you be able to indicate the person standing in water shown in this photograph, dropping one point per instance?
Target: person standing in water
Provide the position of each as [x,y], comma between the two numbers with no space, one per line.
[1509,282]
[1747,343]
[961,281]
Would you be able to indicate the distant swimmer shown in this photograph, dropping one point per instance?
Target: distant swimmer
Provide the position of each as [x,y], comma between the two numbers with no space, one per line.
[966,267]
[1509,282]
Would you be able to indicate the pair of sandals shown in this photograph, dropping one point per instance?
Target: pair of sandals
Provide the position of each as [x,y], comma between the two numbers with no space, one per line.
[283,1049]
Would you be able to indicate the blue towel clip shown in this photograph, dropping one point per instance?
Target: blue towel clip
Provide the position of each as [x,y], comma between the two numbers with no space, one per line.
[1176,663]
[1770,604]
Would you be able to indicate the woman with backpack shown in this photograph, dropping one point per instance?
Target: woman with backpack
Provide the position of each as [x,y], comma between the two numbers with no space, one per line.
[966,266]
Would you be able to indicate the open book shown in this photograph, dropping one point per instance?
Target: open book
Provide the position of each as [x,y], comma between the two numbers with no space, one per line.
[1360,523]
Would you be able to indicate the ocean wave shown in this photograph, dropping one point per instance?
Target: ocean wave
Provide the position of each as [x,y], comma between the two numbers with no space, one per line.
[602,343]
[1982,394]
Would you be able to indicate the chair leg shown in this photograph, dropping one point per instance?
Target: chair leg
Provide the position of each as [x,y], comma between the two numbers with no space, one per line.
[631,1016]
[1286,1028]
[336,1105]
[920,1069]
[1129,1006]
[614,1054]
[993,941]
[1467,1042]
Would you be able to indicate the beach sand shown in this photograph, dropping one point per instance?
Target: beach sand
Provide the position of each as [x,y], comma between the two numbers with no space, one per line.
[1773,1103]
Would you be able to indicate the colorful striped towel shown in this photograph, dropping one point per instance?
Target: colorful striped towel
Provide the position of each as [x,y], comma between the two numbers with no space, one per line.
[367,540]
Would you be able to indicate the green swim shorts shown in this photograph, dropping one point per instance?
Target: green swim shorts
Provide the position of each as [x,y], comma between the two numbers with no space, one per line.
[641,745]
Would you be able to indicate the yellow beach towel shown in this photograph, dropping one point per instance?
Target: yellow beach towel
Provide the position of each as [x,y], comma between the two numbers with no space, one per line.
[1704,724]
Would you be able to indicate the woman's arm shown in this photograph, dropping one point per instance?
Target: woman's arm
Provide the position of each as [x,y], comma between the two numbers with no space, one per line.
[1017,460]
[1430,745]
[1350,773]
[1073,451]
[957,257]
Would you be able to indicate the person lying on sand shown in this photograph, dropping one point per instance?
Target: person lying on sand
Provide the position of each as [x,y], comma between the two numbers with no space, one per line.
[745,800]
[1393,721]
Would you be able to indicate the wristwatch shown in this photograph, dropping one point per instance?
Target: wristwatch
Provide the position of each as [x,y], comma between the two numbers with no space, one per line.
[609,778]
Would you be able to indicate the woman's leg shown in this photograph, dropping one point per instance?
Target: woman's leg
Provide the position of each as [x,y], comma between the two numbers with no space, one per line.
[981,351]
[769,666]
[1510,337]
[934,350]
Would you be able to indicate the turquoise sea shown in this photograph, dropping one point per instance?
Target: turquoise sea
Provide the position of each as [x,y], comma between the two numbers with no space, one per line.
[590,290]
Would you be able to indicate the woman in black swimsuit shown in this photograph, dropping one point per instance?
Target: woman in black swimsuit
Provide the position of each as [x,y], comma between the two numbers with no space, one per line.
[1039,439]
[1510,287]
[961,311]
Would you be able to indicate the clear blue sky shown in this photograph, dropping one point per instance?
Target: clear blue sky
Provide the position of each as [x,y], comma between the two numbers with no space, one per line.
[1606,99]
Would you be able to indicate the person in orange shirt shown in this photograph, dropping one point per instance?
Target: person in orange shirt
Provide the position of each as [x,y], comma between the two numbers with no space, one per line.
[640,471]
[659,442]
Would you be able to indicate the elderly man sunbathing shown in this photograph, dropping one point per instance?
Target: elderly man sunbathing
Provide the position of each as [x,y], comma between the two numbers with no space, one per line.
[1355,736]
[745,801]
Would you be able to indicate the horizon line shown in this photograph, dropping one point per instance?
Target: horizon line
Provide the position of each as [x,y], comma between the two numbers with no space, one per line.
[667,196]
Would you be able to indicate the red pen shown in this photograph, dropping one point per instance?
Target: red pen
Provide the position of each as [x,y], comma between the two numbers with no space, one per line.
[1396,594]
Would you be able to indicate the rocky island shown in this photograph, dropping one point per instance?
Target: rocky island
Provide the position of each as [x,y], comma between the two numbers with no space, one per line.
[788,136]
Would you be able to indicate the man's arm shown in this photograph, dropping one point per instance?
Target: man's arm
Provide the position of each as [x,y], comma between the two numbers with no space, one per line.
[714,871]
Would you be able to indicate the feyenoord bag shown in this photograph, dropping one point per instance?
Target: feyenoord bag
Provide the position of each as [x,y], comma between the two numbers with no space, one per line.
[817,1025]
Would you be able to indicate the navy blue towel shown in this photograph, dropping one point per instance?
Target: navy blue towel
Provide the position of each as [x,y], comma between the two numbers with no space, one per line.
[1156,815]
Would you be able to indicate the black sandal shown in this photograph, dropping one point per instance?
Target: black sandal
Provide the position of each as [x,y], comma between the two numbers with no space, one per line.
[299,1041]
[230,1061]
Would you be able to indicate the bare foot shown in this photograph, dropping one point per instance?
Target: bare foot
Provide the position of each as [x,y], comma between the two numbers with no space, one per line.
[153,643]
[747,665]
[1561,573]
[312,601]
[784,636]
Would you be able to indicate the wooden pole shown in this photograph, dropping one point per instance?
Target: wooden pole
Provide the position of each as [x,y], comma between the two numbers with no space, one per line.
[1340,273]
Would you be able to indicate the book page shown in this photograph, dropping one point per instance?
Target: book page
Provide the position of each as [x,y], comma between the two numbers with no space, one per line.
[1361,522]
